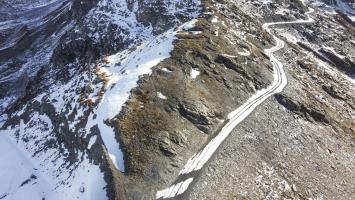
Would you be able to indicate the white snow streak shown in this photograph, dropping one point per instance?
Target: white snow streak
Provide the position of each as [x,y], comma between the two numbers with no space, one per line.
[174,190]
[166,70]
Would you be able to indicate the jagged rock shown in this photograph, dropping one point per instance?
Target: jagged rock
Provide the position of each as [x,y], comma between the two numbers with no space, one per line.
[178,138]
[333,92]
[308,112]
[166,147]
[197,112]
[343,64]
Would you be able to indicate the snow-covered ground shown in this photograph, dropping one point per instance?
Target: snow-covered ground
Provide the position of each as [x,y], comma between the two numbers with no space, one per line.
[161,96]
[29,171]
[194,73]
[18,175]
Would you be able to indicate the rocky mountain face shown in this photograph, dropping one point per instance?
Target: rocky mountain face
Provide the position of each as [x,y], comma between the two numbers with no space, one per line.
[300,143]
[108,99]
[53,80]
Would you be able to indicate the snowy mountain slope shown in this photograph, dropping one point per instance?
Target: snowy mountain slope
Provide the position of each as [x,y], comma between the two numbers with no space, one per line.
[28,170]
[29,33]
[61,123]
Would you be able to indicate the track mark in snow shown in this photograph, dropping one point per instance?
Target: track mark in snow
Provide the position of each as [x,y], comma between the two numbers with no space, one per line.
[174,190]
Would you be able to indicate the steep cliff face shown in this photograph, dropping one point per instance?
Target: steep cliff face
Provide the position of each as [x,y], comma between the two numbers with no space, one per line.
[29,33]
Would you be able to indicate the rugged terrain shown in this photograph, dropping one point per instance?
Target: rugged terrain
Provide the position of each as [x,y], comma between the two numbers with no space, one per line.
[109,99]
[305,150]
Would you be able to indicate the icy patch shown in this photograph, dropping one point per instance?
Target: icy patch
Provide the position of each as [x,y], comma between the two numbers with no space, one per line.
[332,6]
[3,119]
[161,96]
[118,13]
[344,7]
[194,73]
[5,102]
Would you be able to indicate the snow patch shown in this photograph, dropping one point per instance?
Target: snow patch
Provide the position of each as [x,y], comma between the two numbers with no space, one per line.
[196,32]
[189,25]
[194,73]
[245,52]
[282,11]
[92,141]
[161,96]
[166,70]
[266,1]
[18,175]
